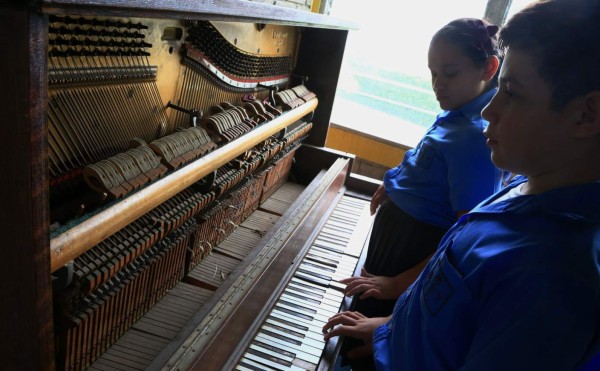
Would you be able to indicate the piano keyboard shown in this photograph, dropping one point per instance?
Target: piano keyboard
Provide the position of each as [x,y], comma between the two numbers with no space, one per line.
[290,337]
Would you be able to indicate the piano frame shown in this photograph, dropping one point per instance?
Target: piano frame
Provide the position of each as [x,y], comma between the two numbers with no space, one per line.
[25,267]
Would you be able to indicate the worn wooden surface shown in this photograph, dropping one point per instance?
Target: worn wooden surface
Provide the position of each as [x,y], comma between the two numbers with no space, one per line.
[26,310]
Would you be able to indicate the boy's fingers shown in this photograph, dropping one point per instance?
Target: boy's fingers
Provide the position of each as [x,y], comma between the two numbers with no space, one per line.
[349,280]
[343,318]
[360,289]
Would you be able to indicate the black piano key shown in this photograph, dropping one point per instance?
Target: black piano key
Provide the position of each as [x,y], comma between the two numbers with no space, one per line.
[313,295]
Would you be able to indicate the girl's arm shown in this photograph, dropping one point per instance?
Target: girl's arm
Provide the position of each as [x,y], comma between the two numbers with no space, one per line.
[378,198]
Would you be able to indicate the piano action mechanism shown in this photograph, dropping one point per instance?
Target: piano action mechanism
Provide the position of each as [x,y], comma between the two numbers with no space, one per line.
[146,139]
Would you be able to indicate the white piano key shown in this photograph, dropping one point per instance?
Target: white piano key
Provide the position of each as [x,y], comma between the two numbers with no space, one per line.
[331,300]
[333,255]
[239,367]
[314,293]
[343,219]
[319,272]
[318,255]
[310,331]
[309,285]
[275,348]
[329,246]
[285,317]
[335,274]
[256,365]
[335,234]
[321,309]
[347,212]
[278,330]
[328,253]
[320,281]
[265,361]
[335,231]
[328,237]
[342,227]
[310,300]
[326,266]
[342,265]
[340,242]
[312,337]
[292,344]
[330,257]
[307,297]
[309,320]
[281,355]
[303,352]
[303,311]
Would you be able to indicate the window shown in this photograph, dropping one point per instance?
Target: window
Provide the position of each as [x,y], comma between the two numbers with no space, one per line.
[384,88]
[515,6]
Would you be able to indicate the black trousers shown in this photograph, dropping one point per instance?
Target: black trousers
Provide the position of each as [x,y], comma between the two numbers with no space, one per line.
[398,242]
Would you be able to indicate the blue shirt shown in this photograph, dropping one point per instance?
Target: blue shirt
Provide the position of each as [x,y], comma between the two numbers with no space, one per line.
[450,169]
[514,285]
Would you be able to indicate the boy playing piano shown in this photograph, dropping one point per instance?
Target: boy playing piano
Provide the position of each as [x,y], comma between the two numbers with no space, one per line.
[515,283]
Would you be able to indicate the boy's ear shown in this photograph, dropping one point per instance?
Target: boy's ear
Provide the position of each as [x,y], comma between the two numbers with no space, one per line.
[491,67]
[588,123]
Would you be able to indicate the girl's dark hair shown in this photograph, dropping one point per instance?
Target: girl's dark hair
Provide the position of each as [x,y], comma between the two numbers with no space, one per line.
[477,38]
[563,37]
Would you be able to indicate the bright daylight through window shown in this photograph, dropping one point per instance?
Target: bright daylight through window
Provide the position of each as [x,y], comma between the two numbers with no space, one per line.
[385,85]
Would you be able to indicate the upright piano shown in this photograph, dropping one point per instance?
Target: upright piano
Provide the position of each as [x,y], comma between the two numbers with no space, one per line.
[167,199]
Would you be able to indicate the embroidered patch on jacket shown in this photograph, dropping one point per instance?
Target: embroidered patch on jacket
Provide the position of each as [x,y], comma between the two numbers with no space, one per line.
[437,290]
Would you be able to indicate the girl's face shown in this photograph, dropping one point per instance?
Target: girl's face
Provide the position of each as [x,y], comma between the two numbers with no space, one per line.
[455,78]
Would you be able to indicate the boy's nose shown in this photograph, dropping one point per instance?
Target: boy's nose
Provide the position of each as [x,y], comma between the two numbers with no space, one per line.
[488,112]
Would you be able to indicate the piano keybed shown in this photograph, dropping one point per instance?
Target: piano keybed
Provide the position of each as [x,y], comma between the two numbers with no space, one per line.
[290,338]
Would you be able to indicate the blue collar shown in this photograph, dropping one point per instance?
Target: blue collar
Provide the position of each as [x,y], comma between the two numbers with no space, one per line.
[578,202]
[472,110]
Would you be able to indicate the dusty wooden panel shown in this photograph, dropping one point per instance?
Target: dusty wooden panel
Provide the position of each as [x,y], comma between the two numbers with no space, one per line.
[24,268]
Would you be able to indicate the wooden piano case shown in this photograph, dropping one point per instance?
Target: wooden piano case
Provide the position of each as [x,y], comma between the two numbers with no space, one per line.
[31,252]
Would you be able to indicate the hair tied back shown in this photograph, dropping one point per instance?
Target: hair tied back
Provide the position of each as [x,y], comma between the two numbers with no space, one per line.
[482,36]
[492,30]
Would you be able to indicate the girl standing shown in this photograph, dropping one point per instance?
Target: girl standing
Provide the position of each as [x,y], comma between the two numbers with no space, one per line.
[447,174]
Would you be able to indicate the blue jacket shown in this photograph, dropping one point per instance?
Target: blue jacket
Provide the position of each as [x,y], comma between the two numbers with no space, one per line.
[450,170]
[514,285]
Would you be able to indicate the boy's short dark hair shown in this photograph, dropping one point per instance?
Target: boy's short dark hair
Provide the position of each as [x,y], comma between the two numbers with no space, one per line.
[564,38]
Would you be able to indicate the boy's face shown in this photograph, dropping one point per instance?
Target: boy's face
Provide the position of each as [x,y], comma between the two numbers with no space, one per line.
[455,79]
[525,135]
